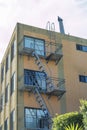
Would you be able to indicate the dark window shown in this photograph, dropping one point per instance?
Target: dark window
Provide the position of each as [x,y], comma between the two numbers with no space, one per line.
[12,120]
[12,83]
[81,47]
[12,51]
[2,73]
[35,78]
[0,127]
[2,102]
[6,94]
[6,124]
[34,118]
[7,63]
[37,44]
[83,78]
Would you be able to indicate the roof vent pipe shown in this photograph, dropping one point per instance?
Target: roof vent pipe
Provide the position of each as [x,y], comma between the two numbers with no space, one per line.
[61,27]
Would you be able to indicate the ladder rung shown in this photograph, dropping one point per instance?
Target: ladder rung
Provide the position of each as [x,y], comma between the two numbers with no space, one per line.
[42,105]
[37,97]
[38,63]
[40,67]
[39,101]
[48,81]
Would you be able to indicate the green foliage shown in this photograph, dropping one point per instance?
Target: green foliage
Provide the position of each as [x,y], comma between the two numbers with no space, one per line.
[73,127]
[83,110]
[61,121]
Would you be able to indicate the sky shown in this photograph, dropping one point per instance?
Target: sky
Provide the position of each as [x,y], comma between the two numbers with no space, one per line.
[38,12]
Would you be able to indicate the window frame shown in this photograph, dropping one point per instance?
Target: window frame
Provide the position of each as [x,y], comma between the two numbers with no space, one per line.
[7,93]
[83,78]
[2,101]
[12,119]
[2,73]
[41,80]
[1,127]
[6,124]
[13,49]
[39,122]
[82,48]
[34,43]
[12,88]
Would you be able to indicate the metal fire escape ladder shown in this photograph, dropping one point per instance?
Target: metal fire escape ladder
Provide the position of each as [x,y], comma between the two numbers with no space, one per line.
[50,86]
[40,100]
[56,55]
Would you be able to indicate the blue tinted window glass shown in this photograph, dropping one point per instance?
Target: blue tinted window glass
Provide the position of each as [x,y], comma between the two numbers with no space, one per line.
[33,118]
[28,42]
[83,78]
[35,78]
[84,48]
[39,47]
[36,44]
[81,47]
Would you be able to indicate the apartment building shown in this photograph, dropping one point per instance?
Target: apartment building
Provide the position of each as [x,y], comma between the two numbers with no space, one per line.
[43,73]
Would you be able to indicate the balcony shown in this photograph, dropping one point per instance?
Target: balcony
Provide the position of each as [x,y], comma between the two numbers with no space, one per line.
[29,45]
[58,87]
[47,50]
[23,50]
[53,52]
[33,79]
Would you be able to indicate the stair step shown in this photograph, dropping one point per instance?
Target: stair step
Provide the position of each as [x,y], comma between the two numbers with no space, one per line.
[48,82]
[39,101]
[40,67]
[38,63]
[38,96]
[41,105]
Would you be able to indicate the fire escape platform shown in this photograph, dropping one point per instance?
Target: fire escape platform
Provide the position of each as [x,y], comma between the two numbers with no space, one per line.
[56,92]
[54,56]
[26,51]
[30,88]
[27,88]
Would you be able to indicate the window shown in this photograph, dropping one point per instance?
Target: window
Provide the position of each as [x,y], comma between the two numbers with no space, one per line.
[6,124]
[34,43]
[7,62]
[12,120]
[35,78]
[13,83]
[83,78]
[13,50]
[81,47]
[34,118]
[0,127]
[6,94]
[2,102]
[2,73]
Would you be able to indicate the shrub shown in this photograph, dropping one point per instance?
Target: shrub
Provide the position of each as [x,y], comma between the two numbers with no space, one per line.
[61,121]
[73,127]
[83,110]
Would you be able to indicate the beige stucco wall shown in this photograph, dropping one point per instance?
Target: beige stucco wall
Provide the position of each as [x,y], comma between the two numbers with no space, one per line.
[75,64]
[72,65]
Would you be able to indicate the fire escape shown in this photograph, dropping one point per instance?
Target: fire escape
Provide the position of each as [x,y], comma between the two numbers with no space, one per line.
[51,88]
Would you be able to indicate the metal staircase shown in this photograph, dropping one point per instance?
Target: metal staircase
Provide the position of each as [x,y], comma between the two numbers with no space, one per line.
[51,88]
[50,85]
[40,100]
